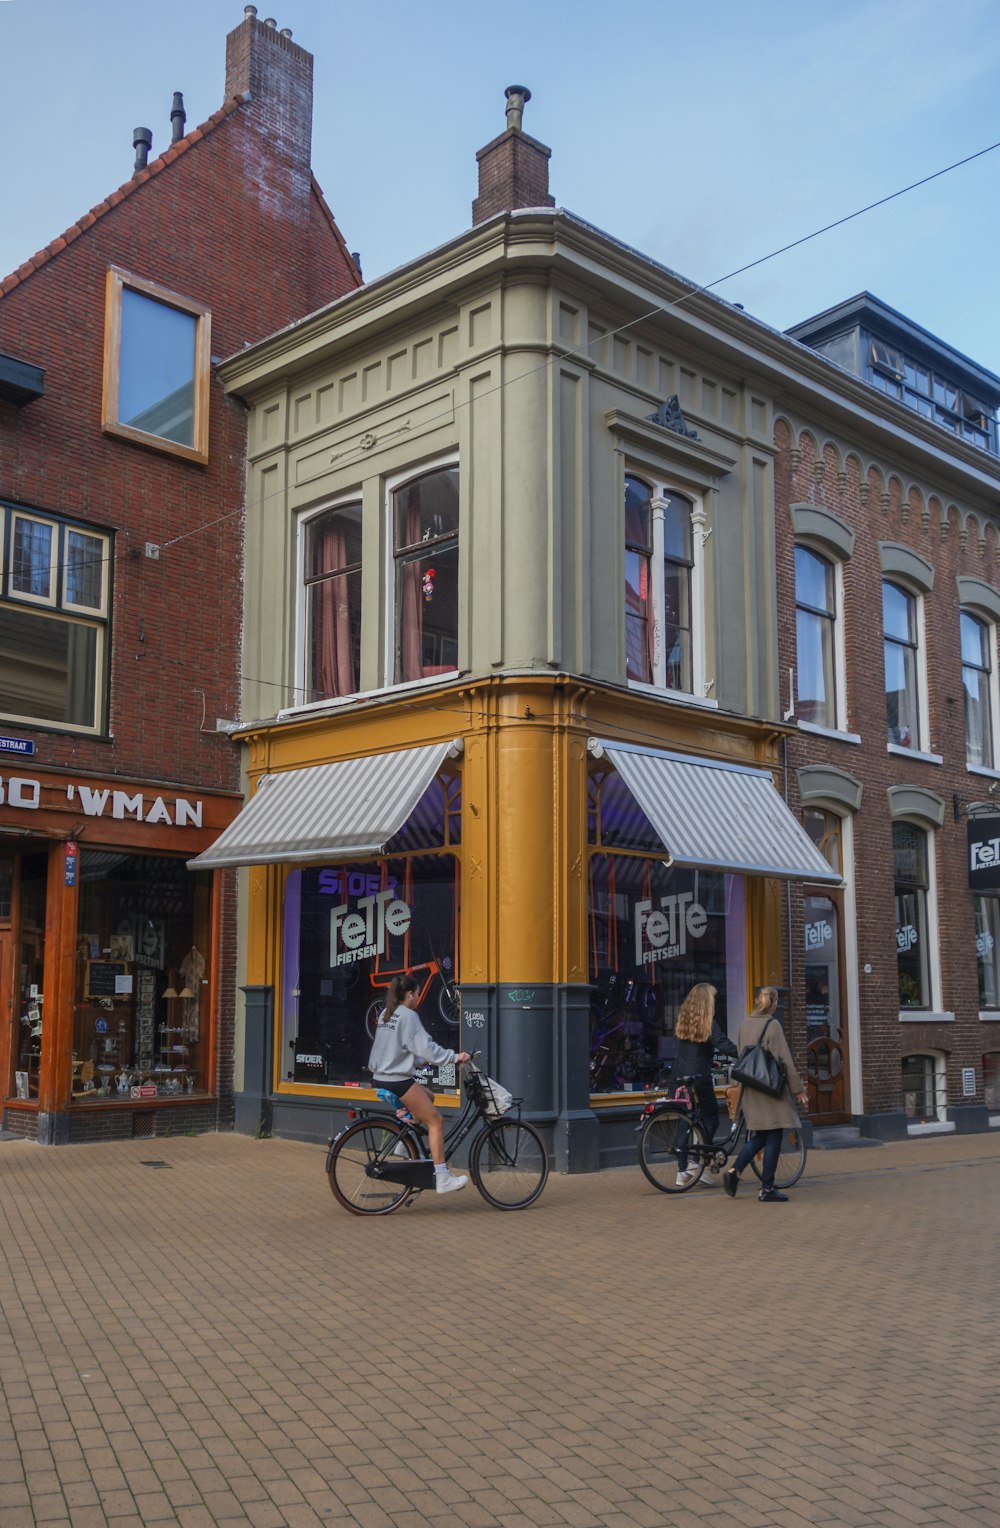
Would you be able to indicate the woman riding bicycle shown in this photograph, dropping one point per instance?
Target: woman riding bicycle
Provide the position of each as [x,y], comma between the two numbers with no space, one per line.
[700,1037]
[401,1042]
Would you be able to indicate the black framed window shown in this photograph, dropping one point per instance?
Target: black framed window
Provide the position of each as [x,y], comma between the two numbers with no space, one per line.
[900,627]
[816,633]
[911,883]
[977,687]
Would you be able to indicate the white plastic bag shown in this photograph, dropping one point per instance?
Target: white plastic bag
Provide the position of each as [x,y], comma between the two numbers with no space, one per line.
[498,1100]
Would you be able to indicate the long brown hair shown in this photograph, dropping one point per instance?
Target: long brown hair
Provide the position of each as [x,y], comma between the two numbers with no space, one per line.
[398,988]
[766,1000]
[694,1020]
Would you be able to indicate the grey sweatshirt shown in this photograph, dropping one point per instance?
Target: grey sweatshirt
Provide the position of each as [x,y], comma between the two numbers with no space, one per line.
[401,1043]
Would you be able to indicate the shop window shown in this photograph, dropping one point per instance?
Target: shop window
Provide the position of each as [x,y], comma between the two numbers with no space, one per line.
[662,587]
[911,882]
[818,639]
[991,1080]
[988,951]
[925,1089]
[29,985]
[157,349]
[331,580]
[979,686]
[54,607]
[425,514]
[349,929]
[142,1017]
[901,618]
[654,932]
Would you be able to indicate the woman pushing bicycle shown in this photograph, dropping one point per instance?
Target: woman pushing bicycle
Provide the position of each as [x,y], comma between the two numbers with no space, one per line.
[401,1043]
[699,1037]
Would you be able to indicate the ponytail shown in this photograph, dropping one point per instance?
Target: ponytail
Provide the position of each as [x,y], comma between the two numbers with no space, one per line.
[398,989]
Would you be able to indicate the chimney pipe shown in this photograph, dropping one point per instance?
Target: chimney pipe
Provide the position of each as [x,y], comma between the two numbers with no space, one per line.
[249,12]
[142,142]
[269,21]
[356,257]
[518,97]
[178,117]
[286,32]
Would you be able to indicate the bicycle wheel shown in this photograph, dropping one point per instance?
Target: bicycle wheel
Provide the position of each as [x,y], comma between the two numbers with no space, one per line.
[508,1164]
[791,1162]
[371,1017]
[352,1154]
[449,1003]
[663,1138]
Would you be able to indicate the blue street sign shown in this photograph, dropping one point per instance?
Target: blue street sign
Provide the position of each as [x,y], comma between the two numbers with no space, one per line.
[23,745]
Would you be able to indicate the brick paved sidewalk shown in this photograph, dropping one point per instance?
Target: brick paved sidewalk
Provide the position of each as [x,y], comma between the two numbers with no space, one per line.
[216,1341]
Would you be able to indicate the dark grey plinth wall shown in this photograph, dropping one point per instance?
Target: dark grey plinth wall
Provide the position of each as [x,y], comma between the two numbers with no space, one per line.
[534,1039]
[253,1113]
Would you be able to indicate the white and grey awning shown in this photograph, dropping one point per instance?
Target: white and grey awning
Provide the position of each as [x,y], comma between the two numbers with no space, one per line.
[715,815]
[328,811]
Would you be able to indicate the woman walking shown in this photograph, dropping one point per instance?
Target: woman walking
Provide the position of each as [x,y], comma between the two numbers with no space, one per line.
[699,1037]
[767,1118]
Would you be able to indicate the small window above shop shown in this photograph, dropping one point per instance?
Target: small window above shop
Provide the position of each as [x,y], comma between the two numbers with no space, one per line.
[156,366]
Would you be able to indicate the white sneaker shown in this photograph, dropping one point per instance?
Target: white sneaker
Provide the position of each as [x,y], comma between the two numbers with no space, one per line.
[447,1183]
[683,1179]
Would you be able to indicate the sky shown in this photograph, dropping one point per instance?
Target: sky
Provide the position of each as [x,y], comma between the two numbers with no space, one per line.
[705,133]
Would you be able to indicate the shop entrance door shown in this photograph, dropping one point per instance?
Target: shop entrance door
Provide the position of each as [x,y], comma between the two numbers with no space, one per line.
[825,1010]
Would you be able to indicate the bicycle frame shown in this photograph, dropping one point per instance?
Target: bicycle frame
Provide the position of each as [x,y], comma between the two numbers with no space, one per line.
[419,1173]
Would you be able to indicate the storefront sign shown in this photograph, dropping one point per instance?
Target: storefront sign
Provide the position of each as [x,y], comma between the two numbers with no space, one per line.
[178,812]
[906,937]
[818,934]
[984,853]
[361,935]
[71,863]
[667,931]
[22,745]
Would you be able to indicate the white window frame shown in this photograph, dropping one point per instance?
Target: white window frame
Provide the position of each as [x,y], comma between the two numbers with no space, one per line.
[819,549]
[935,1013]
[992,771]
[301,635]
[940,1125]
[923,748]
[392,486]
[56,605]
[660,489]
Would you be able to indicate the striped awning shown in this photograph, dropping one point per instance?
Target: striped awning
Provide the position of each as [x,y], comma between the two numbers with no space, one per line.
[714,815]
[328,810]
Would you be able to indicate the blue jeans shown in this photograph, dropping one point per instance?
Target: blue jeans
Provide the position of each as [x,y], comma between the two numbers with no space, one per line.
[769,1142]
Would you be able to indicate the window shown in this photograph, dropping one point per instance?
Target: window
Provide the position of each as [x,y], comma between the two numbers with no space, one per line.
[660,586]
[991,1079]
[911,885]
[156,366]
[929,393]
[54,603]
[332,614]
[825,829]
[978,645]
[816,638]
[988,951]
[902,665]
[425,552]
[925,1089]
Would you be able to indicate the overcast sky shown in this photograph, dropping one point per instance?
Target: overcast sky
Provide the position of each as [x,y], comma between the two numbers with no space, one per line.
[705,133]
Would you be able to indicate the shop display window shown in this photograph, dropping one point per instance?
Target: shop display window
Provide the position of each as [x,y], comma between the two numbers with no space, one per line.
[29,975]
[141,1017]
[349,929]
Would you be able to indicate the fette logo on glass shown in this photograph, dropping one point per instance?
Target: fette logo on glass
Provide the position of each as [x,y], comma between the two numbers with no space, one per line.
[361,935]
[666,934]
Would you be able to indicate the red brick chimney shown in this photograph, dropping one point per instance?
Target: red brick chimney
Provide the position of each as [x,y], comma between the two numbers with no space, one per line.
[513,169]
[278,75]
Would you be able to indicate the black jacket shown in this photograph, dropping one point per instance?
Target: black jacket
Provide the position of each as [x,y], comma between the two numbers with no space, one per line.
[694,1057]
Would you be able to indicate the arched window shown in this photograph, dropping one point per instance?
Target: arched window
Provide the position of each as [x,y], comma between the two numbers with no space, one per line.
[425,551]
[911,880]
[816,639]
[978,646]
[902,666]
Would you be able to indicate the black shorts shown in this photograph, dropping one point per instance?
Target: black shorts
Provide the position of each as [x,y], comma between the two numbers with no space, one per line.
[397,1085]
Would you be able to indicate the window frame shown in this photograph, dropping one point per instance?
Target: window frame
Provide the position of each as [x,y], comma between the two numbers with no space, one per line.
[921,744]
[992,689]
[980,901]
[836,619]
[58,607]
[302,585]
[393,485]
[118,281]
[664,488]
[932,1010]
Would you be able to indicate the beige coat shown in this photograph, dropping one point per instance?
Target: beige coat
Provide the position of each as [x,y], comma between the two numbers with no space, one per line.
[760,1111]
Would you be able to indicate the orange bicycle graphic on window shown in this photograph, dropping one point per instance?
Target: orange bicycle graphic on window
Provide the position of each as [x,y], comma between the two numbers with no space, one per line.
[436,969]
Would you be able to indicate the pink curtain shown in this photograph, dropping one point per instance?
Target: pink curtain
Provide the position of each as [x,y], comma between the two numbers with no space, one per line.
[333,647]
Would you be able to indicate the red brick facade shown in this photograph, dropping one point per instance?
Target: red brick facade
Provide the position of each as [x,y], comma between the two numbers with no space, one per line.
[885,498]
[231,218]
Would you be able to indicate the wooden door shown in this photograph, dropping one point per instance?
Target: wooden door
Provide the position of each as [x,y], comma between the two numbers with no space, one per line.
[826,1009]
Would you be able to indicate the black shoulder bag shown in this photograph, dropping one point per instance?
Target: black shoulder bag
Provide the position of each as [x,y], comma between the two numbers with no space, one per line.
[757,1069]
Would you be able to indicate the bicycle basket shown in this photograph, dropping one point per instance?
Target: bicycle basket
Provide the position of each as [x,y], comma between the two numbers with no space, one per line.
[495,1100]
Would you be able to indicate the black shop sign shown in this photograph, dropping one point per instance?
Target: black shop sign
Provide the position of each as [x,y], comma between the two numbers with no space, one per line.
[984,853]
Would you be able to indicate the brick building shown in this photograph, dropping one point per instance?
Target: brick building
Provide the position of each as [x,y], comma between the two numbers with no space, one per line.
[888,597]
[122,477]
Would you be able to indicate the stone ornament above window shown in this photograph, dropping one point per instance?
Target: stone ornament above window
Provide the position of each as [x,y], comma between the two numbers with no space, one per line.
[670,416]
[810,523]
[906,564]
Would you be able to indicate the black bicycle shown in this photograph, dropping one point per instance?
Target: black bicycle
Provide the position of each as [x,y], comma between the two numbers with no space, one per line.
[671,1131]
[379,1162]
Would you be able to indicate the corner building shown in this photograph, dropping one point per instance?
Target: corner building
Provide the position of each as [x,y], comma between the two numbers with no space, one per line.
[511,564]
[122,473]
